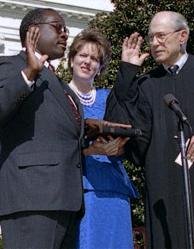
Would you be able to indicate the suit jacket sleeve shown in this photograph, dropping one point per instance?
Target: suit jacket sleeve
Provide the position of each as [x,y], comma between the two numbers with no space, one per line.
[127,104]
[13,89]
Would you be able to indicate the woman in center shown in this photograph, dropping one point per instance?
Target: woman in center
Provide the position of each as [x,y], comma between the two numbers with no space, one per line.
[107,188]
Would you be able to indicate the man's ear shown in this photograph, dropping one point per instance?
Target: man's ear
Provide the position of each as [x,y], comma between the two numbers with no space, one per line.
[183,36]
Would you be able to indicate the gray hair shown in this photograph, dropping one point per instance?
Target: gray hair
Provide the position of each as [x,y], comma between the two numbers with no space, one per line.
[180,21]
[176,21]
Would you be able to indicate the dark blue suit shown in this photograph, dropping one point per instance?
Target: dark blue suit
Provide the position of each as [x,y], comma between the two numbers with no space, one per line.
[40,150]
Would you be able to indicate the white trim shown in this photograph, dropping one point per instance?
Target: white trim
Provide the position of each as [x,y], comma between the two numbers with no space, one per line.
[12,11]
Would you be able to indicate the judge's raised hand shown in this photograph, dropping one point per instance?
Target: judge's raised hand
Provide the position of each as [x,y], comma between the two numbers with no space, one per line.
[131,50]
[34,64]
[106,146]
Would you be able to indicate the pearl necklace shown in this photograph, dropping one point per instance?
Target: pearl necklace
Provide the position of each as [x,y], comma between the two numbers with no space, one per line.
[85,98]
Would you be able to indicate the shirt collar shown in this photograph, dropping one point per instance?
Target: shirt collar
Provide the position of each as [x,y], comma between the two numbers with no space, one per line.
[38,55]
[180,63]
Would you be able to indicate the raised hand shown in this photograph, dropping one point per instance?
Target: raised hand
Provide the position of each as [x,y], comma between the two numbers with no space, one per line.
[131,50]
[34,64]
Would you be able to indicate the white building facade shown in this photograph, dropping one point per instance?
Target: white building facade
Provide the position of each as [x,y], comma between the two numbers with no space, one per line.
[77,14]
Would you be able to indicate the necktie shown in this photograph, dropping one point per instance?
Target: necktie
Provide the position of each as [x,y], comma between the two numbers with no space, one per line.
[51,67]
[74,108]
[173,69]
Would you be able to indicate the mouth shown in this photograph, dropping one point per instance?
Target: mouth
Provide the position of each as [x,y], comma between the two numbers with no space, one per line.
[157,52]
[85,69]
[62,45]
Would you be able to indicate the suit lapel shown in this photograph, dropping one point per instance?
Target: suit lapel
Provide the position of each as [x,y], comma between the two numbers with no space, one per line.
[57,87]
[75,98]
[78,104]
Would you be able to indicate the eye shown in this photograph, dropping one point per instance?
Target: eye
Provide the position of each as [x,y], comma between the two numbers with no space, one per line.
[161,35]
[149,37]
[95,59]
[83,55]
[58,27]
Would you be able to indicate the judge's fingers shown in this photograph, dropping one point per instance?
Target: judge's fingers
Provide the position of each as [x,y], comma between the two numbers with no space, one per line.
[125,42]
[143,56]
[128,42]
[139,41]
[134,40]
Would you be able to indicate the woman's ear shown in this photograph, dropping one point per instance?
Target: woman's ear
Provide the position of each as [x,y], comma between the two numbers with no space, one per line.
[71,63]
[99,71]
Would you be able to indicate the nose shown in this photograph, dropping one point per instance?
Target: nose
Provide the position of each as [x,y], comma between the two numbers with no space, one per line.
[64,35]
[87,60]
[65,32]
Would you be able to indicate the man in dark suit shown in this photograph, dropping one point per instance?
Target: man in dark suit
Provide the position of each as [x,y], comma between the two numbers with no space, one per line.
[141,102]
[40,134]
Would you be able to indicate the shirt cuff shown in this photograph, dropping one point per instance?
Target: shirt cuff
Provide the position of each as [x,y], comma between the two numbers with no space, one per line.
[28,82]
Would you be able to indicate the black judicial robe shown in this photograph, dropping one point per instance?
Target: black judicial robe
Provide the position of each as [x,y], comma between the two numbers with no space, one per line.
[140,101]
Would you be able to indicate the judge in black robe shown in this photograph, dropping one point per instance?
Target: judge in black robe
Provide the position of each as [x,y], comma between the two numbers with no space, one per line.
[140,101]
